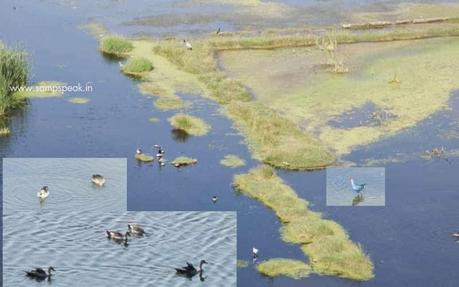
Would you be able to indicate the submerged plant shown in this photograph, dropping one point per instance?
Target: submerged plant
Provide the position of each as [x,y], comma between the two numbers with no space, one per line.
[232,161]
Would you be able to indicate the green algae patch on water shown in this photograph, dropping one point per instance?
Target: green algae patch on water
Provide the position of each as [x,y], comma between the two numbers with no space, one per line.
[326,243]
[137,66]
[295,269]
[232,161]
[144,157]
[183,161]
[190,124]
[44,89]
[79,100]
[242,263]
[115,45]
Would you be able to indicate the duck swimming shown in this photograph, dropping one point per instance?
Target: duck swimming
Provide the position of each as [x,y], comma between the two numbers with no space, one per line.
[98,179]
[357,187]
[118,237]
[43,193]
[40,274]
[135,230]
[189,270]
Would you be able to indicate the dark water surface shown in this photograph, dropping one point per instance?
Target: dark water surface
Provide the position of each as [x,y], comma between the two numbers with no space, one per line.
[408,239]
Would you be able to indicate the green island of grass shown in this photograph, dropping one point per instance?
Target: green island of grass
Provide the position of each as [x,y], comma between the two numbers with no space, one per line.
[79,100]
[189,124]
[295,269]
[326,243]
[232,161]
[144,157]
[183,161]
[116,46]
[137,66]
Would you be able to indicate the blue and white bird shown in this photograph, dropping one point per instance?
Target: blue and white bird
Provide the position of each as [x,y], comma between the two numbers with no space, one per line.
[357,187]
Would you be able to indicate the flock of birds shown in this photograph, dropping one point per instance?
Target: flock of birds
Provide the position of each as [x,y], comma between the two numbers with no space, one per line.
[96,179]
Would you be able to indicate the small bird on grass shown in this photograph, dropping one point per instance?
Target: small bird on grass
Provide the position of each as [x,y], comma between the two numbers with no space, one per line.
[188,45]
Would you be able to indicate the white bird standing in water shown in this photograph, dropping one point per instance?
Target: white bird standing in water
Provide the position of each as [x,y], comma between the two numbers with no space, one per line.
[188,45]
[120,64]
[43,193]
[255,253]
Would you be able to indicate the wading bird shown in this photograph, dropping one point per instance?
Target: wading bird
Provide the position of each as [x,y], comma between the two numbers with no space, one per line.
[188,45]
[357,187]
[40,274]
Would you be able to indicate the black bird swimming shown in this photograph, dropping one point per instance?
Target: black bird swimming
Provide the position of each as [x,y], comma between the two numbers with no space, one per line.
[40,274]
[189,270]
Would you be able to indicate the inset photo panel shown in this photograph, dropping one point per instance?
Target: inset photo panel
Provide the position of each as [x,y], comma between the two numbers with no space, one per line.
[356,186]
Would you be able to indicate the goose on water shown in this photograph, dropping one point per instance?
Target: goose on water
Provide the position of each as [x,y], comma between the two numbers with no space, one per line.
[357,187]
[135,230]
[118,236]
[39,273]
[188,45]
[98,179]
[43,193]
[189,270]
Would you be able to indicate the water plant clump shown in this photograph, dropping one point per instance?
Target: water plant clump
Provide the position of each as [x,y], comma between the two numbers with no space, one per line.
[5,131]
[137,66]
[144,157]
[79,100]
[189,124]
[232,161]
[242,263]
[183,161]
[13,74]
[169,103]
[43,89]
[326,243]
[116,46]
[295,269]
[154,120]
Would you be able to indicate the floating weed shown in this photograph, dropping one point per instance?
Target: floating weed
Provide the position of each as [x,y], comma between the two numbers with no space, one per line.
[190,124]
[232,161]
[242,263]
[183,161]
[154,120]
[144,157]
[169,103]
[79,100]
[284,267]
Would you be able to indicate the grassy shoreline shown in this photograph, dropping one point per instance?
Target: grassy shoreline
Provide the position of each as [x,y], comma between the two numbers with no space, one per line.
[326,243]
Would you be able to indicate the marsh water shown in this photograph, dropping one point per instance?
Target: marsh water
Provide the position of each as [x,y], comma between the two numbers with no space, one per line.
[408,239]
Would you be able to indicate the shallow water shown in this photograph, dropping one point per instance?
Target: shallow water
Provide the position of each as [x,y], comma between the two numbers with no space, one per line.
[408,239]
[76,246]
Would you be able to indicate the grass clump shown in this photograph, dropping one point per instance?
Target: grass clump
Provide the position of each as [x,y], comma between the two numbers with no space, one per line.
[13,74]
[136,66]
[325,242]
[284,267]
[183,161]
[116,46]
[43,89]
[232,161]
[79,101]
[169,103]
[4,131]
[144,157]
[189,124]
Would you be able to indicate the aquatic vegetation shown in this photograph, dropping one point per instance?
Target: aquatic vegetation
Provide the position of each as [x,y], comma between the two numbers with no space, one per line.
[116,46]
[242,263]
[13,74]
[144,157]
[4,131]
[137,66]
[169,103]
[295,269]
[326,243]
[183,161]
[79,100]
[154,120]
[190,124]
[232,161]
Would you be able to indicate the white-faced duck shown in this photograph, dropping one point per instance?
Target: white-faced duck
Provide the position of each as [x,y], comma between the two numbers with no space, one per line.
[98,179]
